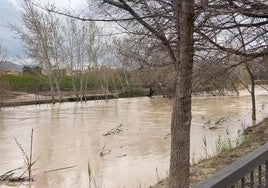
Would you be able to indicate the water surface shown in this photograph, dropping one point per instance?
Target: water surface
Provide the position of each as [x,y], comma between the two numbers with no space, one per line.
[71,134]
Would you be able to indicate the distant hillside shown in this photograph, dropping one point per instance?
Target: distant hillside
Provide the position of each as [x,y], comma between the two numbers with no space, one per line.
[7,65]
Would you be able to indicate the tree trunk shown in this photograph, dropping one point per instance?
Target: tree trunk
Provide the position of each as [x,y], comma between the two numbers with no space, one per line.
[74,88]
[252,94]
[58,89]
[181,116]
[81,87]
[51,89]
[253,102]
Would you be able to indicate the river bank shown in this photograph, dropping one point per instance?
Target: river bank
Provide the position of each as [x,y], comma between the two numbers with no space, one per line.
[17,98]
[253,137]
[14,98]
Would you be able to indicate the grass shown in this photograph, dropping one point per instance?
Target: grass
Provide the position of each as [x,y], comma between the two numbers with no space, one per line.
[251,139]
[89,174]
[205,148]
[92,180]
[225,144]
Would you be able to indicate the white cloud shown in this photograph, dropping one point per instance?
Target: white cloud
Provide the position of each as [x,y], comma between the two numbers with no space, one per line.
[68,4]
[16,4]
[22,61]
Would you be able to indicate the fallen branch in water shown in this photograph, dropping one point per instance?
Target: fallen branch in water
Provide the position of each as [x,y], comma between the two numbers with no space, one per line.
[115,130]
[104,151]
[167,136]
[57,169]
[121,156]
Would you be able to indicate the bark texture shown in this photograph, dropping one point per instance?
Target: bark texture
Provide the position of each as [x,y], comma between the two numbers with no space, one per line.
[181,116]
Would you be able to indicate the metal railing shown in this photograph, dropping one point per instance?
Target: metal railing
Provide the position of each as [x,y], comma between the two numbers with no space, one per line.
[250,171]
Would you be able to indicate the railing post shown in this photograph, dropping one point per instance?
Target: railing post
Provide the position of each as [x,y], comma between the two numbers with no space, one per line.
[266,173]
[243,182]
[252,179]
[259,175]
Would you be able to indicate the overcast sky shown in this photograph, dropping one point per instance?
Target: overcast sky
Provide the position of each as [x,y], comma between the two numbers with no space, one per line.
[10,12]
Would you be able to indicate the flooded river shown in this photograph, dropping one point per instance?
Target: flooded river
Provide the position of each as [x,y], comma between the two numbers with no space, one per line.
[71,134]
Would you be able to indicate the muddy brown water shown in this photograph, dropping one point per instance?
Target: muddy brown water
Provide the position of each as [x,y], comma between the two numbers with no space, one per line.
[71,134]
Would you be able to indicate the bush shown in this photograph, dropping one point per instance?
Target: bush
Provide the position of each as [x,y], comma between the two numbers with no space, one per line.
[27,83]
[133,92]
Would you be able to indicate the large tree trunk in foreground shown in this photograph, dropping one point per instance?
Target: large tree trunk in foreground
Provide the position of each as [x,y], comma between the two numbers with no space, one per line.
[181,116]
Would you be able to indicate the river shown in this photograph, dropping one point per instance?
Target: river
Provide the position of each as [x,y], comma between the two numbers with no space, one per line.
[71,134]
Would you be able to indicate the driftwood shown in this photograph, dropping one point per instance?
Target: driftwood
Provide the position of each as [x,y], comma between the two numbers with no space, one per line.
[114,131]
[104,151]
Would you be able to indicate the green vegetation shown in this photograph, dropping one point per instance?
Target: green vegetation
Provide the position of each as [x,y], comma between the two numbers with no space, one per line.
[133,92]
[27,83]
[32,70]
[225,144]
[33,83]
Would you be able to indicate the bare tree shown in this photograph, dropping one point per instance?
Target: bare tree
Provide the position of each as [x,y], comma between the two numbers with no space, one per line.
[41,40]
[80,52]
[237,29]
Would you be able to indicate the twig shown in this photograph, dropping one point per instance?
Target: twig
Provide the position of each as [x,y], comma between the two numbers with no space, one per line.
[157,175]
[31,154]
[57,169]
[25,156]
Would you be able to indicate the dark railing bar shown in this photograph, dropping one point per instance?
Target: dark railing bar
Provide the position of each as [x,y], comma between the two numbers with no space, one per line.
[240,168]
[252,179]
[259,174]
[243,182]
